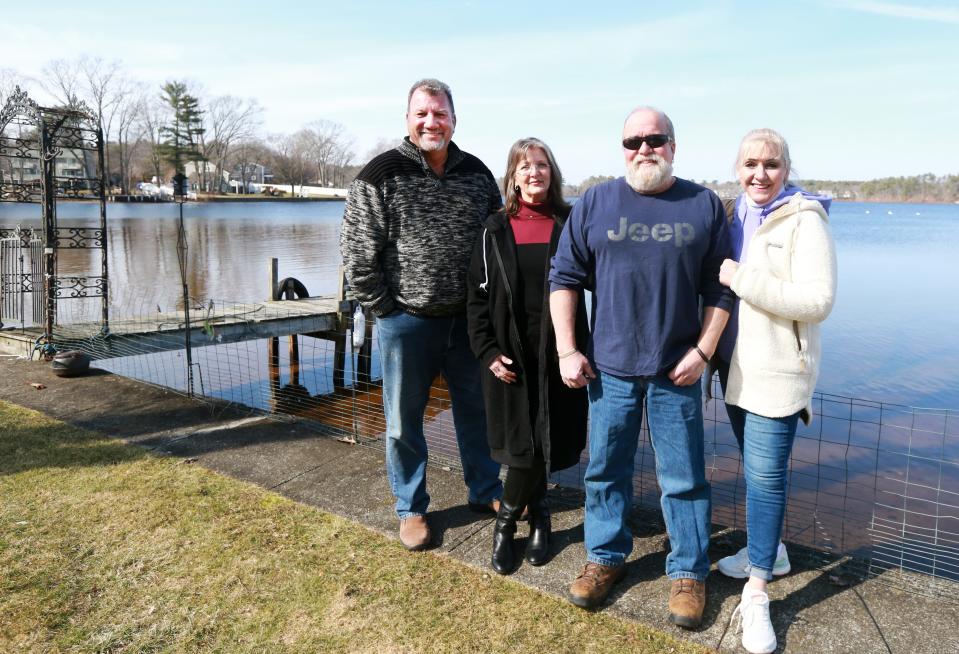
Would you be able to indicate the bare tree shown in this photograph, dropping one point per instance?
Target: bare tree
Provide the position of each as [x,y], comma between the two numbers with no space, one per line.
[61,79]
[325,135]
[381,146]
[153,115]
[9,81]
[292,157]
[230,120]
[105,88]
[342,160]
[329,149]
[102,85]
[129,131]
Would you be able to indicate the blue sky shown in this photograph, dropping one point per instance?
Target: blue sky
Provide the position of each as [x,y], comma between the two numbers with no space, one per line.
[860,89]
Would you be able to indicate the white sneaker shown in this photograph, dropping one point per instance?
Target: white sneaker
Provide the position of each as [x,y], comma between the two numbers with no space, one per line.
[753,611]
[737,566]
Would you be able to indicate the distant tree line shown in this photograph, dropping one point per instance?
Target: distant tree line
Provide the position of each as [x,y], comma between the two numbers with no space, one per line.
[148,130]
[919,188]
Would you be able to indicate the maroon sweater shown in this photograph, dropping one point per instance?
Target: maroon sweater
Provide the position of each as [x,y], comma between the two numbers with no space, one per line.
[532,227]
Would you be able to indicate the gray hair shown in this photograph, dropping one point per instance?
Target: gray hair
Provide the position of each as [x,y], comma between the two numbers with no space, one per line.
[433,87]
[670,131]
[767,137]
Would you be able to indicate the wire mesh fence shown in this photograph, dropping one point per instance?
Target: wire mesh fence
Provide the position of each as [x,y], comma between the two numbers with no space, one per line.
[873,486]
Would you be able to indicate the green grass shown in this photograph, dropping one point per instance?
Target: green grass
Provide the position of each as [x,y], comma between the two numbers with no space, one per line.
[105,548]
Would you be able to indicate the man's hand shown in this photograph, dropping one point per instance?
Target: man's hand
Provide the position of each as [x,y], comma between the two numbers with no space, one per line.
[689,369]
[500,369]
[727,271]
[575,370]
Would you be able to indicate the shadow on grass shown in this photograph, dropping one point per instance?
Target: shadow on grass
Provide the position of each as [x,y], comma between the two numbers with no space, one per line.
[124,408]
[43,444]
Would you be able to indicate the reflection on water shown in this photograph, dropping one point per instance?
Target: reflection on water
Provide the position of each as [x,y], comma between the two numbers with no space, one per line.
[230,246]
[889,337]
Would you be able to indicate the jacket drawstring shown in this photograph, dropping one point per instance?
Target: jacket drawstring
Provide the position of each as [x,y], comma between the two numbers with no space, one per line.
[485,283]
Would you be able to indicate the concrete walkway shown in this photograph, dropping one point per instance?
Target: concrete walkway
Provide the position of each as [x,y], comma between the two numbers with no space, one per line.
[813,610]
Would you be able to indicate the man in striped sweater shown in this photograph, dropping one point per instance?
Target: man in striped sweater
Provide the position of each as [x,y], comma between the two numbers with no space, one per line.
[412,216]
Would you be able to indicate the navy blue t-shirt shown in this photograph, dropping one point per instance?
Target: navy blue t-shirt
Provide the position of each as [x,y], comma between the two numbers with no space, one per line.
[647,260]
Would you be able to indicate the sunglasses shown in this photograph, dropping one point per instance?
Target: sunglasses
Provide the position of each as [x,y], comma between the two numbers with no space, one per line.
[654,141]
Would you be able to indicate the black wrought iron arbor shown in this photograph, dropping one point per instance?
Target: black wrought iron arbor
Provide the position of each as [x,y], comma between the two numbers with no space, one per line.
[49,154]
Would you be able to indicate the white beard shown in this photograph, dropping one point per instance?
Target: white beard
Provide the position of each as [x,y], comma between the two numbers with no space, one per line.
[647,179]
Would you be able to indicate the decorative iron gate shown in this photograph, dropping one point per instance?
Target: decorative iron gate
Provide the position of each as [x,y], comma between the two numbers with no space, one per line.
[49,154]
[21,272]
[11,279]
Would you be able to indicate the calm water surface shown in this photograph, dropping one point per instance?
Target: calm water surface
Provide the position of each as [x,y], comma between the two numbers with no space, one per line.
[890,338]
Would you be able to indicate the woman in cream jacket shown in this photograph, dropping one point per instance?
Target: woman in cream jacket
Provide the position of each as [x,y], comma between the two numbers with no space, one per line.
[784,275]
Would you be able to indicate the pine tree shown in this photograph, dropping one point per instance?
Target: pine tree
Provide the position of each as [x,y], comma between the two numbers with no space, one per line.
[180,139]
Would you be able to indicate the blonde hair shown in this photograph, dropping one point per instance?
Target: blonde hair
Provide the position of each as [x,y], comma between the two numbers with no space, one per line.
[769,138]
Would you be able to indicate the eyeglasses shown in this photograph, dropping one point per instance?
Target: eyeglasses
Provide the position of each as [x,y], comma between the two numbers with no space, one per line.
[654,141]
[525,168]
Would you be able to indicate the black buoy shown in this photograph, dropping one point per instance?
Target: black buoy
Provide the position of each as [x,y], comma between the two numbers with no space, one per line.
[71,364]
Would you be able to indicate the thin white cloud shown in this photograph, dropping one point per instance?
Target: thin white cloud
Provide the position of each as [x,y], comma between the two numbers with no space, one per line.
[935,14]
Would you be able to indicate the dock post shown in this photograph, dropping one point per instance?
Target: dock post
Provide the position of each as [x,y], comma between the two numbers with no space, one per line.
[274,278]
[294,351]
[273,370]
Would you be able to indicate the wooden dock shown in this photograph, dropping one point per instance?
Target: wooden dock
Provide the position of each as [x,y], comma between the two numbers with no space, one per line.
[211,325]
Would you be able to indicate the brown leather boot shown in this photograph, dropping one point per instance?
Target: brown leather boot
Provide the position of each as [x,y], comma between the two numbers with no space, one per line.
[687,598]
[594,583]
[415,533]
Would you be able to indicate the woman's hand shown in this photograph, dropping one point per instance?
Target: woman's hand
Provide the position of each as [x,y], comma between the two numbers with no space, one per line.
[575,370]
[500,369]
[727,271]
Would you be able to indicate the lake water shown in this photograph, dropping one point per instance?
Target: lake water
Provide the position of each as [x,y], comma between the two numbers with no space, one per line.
[890,338]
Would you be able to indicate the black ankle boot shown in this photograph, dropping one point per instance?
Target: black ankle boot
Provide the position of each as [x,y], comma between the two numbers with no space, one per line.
[504,559]
[540,527]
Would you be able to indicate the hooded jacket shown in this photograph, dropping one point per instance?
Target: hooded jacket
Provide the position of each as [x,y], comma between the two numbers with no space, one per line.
[492,284]
[786,287]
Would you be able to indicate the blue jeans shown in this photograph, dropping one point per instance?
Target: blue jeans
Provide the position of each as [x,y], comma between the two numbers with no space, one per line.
[413,350]
[765,444]
[676,428]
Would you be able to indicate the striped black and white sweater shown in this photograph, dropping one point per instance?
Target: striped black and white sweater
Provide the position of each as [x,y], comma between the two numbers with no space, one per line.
[407,233]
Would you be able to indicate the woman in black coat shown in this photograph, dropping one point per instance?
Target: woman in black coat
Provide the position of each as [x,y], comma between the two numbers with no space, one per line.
[535,423]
